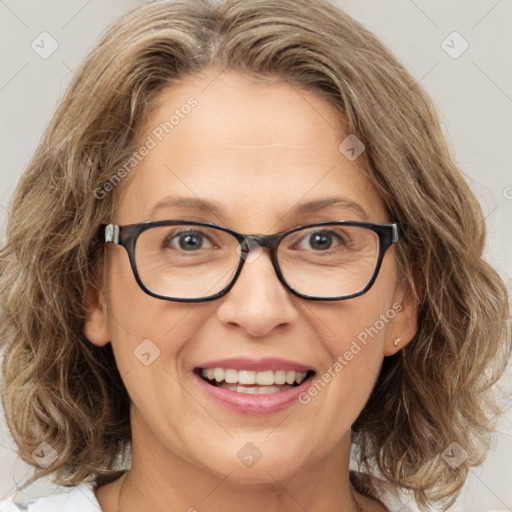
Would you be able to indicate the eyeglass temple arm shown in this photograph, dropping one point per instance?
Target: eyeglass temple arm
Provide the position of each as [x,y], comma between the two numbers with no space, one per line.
[112,232]
[396,233]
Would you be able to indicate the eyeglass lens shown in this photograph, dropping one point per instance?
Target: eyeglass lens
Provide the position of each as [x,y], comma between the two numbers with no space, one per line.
[192,262]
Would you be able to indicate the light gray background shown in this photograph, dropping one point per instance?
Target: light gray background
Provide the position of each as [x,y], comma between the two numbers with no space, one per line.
[472,92]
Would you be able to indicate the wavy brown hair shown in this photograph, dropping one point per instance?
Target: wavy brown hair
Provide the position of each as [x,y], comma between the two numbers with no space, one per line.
[63,390]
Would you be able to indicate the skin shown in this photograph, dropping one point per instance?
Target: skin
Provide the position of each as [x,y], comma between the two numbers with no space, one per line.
[257,150]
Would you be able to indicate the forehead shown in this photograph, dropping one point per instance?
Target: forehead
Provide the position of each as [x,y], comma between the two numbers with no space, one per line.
[255,150]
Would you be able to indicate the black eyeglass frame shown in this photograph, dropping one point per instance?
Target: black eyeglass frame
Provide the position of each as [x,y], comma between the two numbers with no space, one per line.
[126,236]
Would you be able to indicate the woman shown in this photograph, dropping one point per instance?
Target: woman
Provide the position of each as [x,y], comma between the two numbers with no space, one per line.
[242,249]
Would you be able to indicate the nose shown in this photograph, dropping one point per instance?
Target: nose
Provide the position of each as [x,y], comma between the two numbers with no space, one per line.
[258,302]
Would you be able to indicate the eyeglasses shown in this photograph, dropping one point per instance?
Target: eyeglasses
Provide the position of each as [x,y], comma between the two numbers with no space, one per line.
[189,261]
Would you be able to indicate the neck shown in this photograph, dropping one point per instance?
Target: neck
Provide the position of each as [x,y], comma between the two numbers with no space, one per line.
[130,497]
[159,480]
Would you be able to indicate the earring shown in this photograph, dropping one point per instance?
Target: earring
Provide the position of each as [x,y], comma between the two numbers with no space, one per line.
[397,341]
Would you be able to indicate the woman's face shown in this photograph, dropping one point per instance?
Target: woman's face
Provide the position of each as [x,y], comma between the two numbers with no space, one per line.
[257,153]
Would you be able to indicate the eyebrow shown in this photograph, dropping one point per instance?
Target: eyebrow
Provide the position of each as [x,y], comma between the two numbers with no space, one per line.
[212,207]
[314,206]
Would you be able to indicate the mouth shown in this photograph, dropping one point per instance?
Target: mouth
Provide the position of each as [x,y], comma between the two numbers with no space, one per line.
[253,382]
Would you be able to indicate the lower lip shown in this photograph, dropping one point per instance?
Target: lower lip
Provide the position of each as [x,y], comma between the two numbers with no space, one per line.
[244,403]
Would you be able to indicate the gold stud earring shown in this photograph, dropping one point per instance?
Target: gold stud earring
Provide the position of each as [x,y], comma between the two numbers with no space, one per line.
[397,341]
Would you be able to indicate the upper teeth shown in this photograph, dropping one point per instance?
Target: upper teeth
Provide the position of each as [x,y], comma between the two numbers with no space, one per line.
[266,378]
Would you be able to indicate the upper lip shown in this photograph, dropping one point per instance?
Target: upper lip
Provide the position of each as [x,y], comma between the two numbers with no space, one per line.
[262,364]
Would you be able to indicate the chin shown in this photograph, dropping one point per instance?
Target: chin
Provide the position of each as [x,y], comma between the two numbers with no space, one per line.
[246,464]
[262,473]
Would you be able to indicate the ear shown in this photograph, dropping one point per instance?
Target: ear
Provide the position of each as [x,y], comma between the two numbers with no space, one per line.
[404,325]
[96,325]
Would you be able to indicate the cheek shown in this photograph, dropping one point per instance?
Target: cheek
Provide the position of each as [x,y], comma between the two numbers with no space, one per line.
[147,332]
[355,331]
[356,353]
[139,324]
[135,316]
[353,336]
[152,340]
[149,340]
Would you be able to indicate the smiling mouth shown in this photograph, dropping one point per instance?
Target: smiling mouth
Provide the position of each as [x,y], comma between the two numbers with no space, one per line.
[253,382]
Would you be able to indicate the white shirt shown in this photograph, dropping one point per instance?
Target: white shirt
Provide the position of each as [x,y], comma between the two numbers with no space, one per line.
[82,499]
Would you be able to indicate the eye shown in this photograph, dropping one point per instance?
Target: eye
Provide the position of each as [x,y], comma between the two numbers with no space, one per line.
[187,240]
[321,240]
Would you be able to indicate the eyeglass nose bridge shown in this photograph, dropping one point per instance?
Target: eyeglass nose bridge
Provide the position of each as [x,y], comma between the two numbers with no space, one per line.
[248,243]
[251,242]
